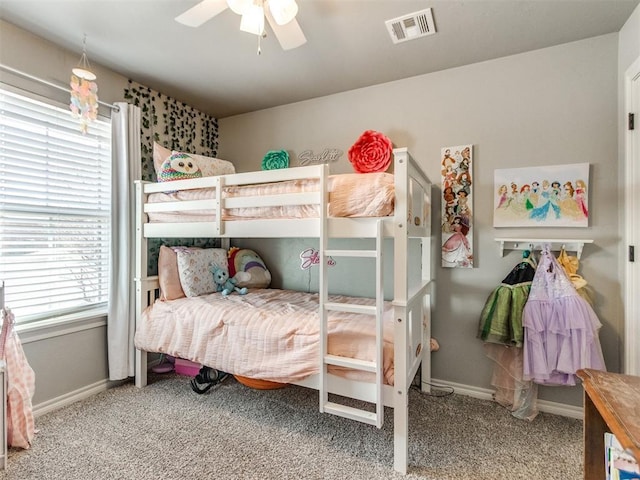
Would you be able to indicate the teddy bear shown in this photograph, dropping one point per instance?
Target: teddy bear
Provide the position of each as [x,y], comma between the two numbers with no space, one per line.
[224,284]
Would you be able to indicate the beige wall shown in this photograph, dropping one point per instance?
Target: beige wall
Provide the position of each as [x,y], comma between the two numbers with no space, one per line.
[546,107]
[629,36]
[28,53]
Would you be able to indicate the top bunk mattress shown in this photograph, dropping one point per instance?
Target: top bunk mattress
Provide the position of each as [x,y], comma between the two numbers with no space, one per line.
[350,195]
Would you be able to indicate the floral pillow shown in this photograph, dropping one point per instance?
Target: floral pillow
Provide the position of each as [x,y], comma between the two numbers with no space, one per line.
[194,269]
[208,166]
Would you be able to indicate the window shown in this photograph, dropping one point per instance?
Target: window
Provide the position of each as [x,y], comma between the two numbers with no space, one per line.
[54,209]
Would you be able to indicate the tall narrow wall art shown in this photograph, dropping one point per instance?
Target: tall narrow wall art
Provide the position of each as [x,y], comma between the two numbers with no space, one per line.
[457,204]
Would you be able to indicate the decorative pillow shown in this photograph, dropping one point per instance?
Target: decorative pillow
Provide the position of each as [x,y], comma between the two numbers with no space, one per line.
[160,155]
[194,269]
[168,275]
[248,268]
[209,166]
[275,159]
[372,152]
[179,166]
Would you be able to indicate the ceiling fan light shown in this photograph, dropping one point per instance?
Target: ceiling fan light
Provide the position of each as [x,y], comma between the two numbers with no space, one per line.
[239,6]
[283,11]
[253,20]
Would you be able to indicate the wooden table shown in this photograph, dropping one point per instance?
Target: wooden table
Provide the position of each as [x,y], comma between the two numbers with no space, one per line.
[611,404]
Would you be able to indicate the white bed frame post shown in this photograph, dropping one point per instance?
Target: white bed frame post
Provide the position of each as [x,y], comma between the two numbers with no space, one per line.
[140,279]
[323,288]
[400,294]
[379,324]
[411,305]
[427,275]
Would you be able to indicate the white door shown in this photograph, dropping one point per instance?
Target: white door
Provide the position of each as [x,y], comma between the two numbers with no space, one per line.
[632,220]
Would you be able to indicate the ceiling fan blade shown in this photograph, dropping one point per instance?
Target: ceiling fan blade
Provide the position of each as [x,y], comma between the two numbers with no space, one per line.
[202,12]
[289,35]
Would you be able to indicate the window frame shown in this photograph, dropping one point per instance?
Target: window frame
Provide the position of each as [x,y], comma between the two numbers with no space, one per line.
[75,317]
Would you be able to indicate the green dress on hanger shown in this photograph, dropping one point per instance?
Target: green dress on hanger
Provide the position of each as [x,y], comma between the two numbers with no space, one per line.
[501,317]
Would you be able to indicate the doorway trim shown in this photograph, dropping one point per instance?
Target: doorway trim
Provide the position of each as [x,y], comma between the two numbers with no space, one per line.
[632,225]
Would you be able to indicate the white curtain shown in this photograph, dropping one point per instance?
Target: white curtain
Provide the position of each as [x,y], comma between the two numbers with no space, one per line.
[126,168]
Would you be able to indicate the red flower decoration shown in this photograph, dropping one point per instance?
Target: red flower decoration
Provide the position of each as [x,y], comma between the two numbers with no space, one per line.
[371,152]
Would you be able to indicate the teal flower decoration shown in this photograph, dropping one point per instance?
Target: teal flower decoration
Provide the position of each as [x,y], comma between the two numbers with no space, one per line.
[275,159]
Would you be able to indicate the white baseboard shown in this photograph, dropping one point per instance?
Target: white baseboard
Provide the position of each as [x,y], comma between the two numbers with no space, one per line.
[80,394]
[546,406]
[71,397]
[468,390]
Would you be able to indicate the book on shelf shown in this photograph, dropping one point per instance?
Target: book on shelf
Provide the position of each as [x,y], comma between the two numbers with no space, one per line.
[620,465]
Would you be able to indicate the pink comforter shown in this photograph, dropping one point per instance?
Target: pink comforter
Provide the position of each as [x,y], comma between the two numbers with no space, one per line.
[269,334]
[350,195]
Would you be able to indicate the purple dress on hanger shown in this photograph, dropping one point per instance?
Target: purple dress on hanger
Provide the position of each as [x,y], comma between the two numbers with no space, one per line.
[560,328]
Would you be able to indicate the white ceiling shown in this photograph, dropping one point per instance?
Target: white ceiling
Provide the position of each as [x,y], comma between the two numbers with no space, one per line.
[216,69]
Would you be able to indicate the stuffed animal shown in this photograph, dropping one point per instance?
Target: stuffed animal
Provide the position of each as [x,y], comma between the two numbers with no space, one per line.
[179,166]
[248,268]
[224,284]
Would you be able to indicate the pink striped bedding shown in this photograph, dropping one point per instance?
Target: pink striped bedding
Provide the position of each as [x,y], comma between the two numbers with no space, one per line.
[268,334]
[350,195]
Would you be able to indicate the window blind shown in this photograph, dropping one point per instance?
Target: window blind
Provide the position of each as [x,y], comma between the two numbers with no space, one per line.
[54,209]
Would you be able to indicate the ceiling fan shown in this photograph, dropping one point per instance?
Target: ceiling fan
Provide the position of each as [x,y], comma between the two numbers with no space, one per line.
[281,15]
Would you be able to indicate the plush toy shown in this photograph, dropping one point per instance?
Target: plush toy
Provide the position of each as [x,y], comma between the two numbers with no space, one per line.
[248,268]
[224,284]
[179,166]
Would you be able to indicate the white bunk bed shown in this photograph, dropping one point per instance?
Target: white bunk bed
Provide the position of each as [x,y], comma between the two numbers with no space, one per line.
[410,221]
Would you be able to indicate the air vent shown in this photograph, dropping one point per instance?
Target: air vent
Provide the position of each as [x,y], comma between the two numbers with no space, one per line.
[411,26]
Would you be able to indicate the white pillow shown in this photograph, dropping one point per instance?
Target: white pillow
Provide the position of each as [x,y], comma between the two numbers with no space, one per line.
[194,269]
[210,166]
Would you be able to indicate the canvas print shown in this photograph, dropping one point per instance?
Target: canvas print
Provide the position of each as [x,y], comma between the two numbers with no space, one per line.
[551,196]
[457,200]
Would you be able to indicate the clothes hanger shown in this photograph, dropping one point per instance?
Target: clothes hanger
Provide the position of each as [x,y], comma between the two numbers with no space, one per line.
[528,257]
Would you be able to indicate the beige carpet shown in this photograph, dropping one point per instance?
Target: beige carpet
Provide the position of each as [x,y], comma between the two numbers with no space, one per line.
[167,432]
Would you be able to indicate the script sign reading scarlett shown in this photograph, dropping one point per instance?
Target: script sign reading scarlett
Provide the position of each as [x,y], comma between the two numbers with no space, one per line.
[311,257]
[328,155]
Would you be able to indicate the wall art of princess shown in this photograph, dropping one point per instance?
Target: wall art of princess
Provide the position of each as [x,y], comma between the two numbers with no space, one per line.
[551,196]
[457,200]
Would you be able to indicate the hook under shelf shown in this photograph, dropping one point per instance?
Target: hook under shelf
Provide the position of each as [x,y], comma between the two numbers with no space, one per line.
[557,244]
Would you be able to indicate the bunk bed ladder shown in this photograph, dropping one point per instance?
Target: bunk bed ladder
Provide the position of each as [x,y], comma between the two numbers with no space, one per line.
[370,417]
